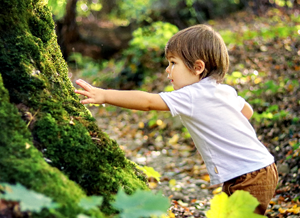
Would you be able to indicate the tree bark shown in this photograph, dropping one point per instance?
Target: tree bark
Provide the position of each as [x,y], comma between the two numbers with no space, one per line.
[108,6]
[50,117]
[67,29]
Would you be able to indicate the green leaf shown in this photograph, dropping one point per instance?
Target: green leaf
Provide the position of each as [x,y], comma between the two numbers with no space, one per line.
[91,202]
[29,200]
[169,89]
[140,204]
[236,206]
[150,172]
[296,146]
[82,216]
[57,8]
[237,74]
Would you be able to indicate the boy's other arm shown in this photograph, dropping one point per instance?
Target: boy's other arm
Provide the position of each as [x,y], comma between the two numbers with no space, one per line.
[137,100]
[247,110]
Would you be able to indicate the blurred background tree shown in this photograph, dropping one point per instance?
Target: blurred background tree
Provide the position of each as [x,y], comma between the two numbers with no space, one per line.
[99,29]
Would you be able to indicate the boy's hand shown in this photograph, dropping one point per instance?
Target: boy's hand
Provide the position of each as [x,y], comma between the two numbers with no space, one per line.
[94,95]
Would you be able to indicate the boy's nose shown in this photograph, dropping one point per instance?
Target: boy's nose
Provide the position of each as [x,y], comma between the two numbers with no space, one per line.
[167,69]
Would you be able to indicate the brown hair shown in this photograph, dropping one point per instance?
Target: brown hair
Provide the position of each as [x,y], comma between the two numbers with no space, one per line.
[200,42]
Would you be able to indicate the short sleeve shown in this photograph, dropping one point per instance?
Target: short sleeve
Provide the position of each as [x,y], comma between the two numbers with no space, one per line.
[179,101]
[241,102]
[237,100]
[228,95]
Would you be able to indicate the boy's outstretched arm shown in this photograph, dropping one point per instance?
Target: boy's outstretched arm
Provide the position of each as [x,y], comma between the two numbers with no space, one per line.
[137,100]
[247,110]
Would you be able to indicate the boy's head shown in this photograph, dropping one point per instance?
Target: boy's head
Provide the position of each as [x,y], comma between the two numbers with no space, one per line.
[200,42]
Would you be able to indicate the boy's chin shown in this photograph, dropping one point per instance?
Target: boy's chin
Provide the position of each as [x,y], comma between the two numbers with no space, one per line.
[177,87]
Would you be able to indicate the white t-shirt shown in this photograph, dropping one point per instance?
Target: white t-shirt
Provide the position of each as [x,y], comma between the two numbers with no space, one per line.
[224,137]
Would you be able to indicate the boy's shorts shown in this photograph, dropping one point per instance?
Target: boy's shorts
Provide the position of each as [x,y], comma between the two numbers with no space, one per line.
[260,183]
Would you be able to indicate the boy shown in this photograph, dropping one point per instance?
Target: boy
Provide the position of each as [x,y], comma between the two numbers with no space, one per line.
[215,116]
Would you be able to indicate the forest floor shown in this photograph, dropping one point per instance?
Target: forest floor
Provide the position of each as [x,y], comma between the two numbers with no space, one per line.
[266,73]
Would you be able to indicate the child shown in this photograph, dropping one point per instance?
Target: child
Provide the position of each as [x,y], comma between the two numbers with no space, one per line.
[215,116]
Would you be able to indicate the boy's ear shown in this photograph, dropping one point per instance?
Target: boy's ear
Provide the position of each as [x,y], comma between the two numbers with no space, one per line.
[199,67]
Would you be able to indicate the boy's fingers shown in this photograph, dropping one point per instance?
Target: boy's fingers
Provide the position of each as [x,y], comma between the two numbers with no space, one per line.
[86,101]
[82,92]
[84,84]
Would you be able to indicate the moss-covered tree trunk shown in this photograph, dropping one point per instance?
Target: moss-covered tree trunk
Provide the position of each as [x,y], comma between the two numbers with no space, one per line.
[38,107]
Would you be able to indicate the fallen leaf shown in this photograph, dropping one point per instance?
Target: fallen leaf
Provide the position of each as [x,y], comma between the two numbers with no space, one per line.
[152,185]
[141,125]
[294,210]
[174,139]
[205,177]
[217,190]
[281,210]
[172,182]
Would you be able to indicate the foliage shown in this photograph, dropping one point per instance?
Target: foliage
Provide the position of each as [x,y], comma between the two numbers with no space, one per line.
[145,54]
[97,71]
[268,87]
[83,7]
[140,204]
[147,46]
[153,37]
[146,51]
[283,3]
[264,32]
[138,10]
[296,150]
[29,200]
[58,8]
[235,206]
[189,12]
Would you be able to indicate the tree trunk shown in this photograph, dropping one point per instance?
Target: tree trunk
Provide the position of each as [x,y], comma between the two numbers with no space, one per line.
[87,37]
[68,29]
[108,6]
[51,118]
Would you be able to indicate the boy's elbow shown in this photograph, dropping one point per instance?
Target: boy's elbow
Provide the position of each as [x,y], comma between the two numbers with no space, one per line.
[146,105]
[249,115]
[146,108]
[155,102]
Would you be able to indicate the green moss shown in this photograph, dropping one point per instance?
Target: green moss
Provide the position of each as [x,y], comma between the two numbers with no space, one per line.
[96,163]
[41,24]
[36,75]
[21,162]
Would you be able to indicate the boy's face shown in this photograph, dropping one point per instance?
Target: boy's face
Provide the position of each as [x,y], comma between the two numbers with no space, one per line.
[179,74]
